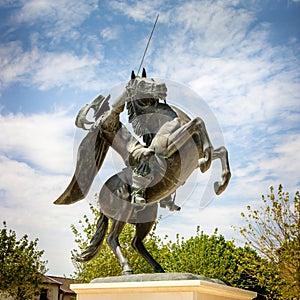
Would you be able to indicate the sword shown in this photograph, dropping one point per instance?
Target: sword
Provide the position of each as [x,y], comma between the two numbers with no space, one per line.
[149,39]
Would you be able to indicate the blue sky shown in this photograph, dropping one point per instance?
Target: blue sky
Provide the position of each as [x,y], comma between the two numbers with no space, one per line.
[241,58]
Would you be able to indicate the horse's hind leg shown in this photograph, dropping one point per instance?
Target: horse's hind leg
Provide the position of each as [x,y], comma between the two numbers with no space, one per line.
[222,154]
[142,229]
[113,242]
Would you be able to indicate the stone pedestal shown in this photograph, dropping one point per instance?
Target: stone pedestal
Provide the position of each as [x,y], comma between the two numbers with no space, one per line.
[151,289]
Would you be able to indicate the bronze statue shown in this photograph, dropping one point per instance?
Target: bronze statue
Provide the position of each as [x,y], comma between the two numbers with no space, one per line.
[173,147]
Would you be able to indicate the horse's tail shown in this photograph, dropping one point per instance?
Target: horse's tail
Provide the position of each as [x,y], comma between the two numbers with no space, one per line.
[96,241]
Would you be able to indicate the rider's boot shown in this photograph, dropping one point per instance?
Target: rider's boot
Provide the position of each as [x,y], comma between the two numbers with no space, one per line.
[142,175]
[138,187]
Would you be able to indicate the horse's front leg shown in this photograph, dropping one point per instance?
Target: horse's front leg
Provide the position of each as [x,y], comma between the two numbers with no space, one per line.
[172,136]
[222,154]
[142,230]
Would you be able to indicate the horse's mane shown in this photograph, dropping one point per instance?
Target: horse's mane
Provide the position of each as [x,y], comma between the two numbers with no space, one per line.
[139,127]
[140,124]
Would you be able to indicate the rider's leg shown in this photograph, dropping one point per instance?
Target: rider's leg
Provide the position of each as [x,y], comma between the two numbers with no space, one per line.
[139,185]
[142,174]
[142,177]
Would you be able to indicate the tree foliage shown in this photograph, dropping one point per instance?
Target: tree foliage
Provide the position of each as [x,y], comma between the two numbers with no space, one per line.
[21,267]
[273,231]
[210,256]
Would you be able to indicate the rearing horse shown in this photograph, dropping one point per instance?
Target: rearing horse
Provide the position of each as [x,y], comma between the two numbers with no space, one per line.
[174,147]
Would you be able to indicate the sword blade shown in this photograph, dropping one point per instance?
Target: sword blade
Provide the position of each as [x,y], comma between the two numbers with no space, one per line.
[149,39]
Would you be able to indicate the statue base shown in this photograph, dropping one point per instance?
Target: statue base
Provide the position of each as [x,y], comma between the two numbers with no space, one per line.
[164,286]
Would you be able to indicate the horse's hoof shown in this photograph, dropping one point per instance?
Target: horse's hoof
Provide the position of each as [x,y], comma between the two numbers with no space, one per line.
[175,207]
[127,272]
[218,188]
[204,164]
[159,270]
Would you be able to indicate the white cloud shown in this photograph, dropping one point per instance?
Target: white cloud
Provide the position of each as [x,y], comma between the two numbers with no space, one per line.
[47,69]
[61,69]
[58,17]
[14,62]
[42,140]
[284,162]
[142,11]
[9,3]
[110,33]
[36,9]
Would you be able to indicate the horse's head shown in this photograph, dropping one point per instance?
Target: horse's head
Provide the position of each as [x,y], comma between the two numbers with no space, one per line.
[145,90]
[143,95]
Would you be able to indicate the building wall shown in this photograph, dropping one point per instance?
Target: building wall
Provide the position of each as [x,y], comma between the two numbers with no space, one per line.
[4,298]
[67,297]
[52,291]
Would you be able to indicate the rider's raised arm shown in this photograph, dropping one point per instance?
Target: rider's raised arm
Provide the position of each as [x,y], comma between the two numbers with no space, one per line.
[118,104]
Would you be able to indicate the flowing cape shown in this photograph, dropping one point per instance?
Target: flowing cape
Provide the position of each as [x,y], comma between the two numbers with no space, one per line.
[91,154]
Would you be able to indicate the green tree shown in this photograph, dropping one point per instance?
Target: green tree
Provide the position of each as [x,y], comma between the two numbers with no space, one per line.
[21,267]
[214,257]
[273,231]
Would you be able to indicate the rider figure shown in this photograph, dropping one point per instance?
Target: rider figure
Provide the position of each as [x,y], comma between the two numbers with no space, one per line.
[142,174]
